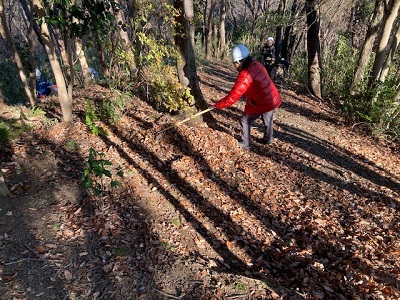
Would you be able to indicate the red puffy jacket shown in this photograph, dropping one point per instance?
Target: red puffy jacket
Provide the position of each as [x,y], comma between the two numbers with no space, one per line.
[255,83]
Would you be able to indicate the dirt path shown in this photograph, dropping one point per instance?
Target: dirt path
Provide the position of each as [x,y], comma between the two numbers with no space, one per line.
[316,216]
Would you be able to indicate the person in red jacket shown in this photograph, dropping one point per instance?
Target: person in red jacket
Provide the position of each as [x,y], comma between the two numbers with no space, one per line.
[261,93]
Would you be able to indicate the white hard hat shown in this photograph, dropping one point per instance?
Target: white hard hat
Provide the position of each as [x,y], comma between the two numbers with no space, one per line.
[270,39]
[240,52]
[38,74]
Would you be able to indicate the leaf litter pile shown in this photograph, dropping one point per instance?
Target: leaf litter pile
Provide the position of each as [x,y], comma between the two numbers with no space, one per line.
[315,216]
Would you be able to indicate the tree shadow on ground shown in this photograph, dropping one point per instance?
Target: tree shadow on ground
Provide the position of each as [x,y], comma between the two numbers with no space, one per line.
[221,71]
[283,262]
[264,263]
[308,113]
[220,79]
[91,259]
[230,262]
[331,258]
[25,271]
[118,239]
[332,251]
[340,158]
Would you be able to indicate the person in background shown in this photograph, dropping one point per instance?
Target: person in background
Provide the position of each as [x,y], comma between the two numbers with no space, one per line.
[268,55]
[43,86]
[93,74]
[262,96]
[282,69]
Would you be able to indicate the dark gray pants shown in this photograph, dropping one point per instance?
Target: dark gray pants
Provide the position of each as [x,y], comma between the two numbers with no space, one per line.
[247,120]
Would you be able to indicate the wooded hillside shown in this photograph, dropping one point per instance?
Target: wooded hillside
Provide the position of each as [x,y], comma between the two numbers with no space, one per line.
[197,217]
[345,54]
[102,197]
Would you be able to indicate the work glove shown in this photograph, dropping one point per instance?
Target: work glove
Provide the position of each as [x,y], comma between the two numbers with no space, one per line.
[218,105]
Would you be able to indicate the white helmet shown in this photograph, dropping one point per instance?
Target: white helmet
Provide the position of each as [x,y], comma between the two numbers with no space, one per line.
[240,52]
[270,39]
[38,74]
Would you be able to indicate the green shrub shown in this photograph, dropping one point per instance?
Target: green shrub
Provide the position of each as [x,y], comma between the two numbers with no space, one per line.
[4,134]
[154,54]
[11,129]
[122,59]
[376,107]
[10,84]
[158,66]
[32,112]
[338,70]
[95,171]
[92,120]
[108,112]
[122,99]
[298,70]
[71,145]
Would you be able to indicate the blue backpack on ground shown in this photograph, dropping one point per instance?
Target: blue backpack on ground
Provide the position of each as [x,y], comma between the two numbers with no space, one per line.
[43,87]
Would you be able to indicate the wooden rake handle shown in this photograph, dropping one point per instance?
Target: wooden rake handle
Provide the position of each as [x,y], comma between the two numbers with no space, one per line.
[185,120]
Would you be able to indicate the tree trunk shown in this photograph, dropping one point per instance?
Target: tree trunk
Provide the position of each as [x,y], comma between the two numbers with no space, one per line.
[222,32]
[61,46]
[119,19]
[391,54]
[102,59]
[187,65]
[28,13]
[209,31]
[66,104]
[204,32]
[5,32]
[366,50]
[384,37]
[289,38]
[314,48]
[279,30]
[397,98]
[70,86]
[124,36]
[32,62]
[80,53]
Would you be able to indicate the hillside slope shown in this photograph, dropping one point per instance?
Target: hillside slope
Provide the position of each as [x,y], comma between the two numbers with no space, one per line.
[315,216]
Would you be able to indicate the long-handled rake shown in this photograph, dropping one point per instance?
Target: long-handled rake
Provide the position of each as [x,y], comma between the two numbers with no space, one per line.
[185,120]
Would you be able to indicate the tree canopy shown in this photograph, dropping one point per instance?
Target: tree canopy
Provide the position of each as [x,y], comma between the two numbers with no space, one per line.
[335,52]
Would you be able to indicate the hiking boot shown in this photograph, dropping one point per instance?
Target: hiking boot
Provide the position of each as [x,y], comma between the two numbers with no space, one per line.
[264,142]
[243,145]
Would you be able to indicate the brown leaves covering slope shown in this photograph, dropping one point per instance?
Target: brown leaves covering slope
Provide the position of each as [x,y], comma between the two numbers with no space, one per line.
[316,216]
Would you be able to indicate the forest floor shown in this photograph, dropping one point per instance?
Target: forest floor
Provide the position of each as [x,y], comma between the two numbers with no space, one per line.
[314,216]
